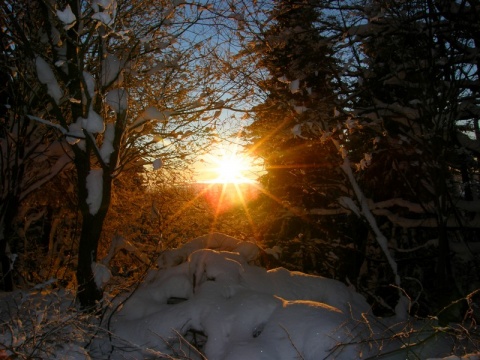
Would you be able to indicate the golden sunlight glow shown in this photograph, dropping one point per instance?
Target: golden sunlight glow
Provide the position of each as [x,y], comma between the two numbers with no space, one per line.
[231,169]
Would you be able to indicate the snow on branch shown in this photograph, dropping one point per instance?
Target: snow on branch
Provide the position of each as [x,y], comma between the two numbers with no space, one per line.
[150,113]
[75,132]
[413,207]
[46,76]
[93,123]
[49,123]
[107,146]
[365,209]
[468,142]
[428,222]
[101,274]
[117,99]
[402,306]
[67,17]
[95,190]
[111,68]
[348,203]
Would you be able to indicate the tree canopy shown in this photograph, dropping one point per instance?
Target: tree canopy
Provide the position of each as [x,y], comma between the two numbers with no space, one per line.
[382,134]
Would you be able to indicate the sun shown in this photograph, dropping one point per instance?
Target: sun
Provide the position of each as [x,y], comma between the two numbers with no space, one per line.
[231,169]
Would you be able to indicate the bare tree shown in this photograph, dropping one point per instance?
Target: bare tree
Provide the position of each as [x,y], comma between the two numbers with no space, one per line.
[30,152]
[122,81]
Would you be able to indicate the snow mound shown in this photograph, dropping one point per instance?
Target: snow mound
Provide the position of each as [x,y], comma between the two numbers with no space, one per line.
[208,299]
[210,287]
[214,241]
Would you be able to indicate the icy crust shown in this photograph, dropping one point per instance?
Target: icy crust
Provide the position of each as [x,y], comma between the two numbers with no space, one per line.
[208,298]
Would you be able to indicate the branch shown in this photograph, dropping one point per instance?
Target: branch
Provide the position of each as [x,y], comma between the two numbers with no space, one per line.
[49,123]
[55,170]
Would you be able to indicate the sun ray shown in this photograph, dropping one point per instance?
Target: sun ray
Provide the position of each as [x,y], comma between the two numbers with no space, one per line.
[187,205]
[246,209]
[228,184]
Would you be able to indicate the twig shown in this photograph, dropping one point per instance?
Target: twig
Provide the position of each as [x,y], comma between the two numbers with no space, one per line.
[195,350]
[291,342]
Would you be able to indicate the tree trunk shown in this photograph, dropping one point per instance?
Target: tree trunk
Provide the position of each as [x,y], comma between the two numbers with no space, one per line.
[9,210]
[88,293]
[6,274]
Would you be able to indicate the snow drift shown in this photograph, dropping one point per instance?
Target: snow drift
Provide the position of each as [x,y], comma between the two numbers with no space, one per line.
[209,297]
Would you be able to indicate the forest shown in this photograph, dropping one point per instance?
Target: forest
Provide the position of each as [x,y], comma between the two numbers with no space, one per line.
[340,217]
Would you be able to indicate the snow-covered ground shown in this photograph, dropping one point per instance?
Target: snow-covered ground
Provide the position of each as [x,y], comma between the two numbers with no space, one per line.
[210,299]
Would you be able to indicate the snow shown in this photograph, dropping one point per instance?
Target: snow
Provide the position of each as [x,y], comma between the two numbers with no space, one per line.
[75,132]
[211,293]
[117,99]
[348,203]
[46,76]
[105,4]
[297,131]
[103,17]
[67,17]
[295,86]
[101,274]
[49,123]
[90,82]
[401,309]
[93,123]
[212,241]
[111,67]
[120,243]
[243,311]
[150,113]
[107,146]
[153,113]
[300,109]
[94,188]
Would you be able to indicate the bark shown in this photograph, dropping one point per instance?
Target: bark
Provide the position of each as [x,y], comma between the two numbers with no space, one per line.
[6,229]
[88,292]
[6,274]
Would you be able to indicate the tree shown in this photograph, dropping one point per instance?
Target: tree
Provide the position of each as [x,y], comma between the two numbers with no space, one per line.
[304,180]
[401,85]
[406,85]
[119,81]
[30,153]
[416,98]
